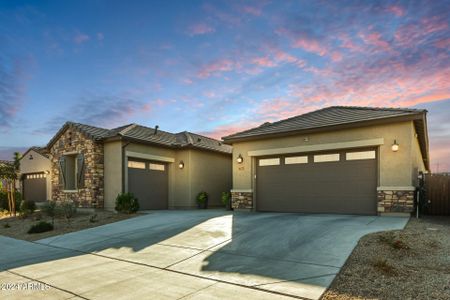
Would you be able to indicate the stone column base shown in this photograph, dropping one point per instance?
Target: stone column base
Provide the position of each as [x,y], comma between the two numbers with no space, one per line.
[241,200]
[395,201]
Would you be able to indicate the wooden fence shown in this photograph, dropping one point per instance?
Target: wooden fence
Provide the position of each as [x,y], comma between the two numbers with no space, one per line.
[438,194]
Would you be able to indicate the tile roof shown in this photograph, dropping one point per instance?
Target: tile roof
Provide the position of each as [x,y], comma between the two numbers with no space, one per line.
[145,134]
[6,162]
[326,117]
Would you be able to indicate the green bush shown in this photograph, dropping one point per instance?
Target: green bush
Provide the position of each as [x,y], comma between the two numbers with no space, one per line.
[127,203]
[4,200]
[69,210]
[226,198]
[27,207]
[50,210]
[202,200]
[42,226]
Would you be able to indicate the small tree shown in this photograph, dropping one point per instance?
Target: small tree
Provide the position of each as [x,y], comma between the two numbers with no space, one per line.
[8,175]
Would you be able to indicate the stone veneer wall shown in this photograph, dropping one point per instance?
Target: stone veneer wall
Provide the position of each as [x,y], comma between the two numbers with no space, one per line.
[92,195]
[242,200]
[395,201]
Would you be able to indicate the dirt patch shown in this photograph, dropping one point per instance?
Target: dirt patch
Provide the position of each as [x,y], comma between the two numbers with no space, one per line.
[413,263]
[17,227]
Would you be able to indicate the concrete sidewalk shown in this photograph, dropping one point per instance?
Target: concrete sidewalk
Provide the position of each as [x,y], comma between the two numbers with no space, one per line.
[191,254]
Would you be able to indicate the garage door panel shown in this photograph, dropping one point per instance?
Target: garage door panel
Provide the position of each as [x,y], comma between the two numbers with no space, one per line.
[150,186]
[322,187]
[35,187]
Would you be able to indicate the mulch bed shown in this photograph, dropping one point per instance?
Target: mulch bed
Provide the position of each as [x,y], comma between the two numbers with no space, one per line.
[413,263]
[17,227]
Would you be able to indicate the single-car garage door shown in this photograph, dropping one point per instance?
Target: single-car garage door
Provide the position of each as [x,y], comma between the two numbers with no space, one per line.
[148,181]
[332,182]
[35,187]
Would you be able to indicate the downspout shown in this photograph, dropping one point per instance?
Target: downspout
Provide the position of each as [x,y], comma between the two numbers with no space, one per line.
[123,165]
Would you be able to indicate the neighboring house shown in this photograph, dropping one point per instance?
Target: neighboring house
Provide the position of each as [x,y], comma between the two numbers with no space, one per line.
[93,165]
[350,160]
[35,175]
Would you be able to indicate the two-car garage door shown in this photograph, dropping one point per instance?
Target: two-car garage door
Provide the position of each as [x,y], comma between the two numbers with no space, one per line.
[333,182]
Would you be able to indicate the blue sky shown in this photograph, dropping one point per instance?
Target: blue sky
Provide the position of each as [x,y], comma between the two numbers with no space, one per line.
[217,67]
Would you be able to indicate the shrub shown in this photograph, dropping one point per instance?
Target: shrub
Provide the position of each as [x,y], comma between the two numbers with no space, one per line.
[127,203]
[93,218]
[6,225]
[42,226]
[4,200]
[50,210]
[69,210]
[27,207]
[202,200]
[226,198]
[385,267]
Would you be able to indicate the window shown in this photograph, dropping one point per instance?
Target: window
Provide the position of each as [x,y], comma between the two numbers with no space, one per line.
[157,167]
[360,155]
[269,162]
[326,157]
[296,160]
[136,164]
[71,171]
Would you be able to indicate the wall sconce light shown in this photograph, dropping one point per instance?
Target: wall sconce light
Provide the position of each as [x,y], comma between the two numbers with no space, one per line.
[240,159]
[30,157]
[395,146]
[181,165]
[47,172]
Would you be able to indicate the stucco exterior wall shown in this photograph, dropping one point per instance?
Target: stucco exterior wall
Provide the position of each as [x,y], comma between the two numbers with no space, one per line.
[211,172]
[416,157]
[113,173]
[395,168]
[38,164]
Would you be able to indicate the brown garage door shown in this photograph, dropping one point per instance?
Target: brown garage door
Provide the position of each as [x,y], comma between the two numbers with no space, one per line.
[148,181]
[334,182]
[35,187]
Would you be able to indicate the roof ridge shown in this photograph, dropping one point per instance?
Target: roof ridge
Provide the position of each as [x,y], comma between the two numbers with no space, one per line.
[126,129]
[189,138]
[204,136]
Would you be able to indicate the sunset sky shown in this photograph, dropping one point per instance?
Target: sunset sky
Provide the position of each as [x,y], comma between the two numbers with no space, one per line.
[216,67]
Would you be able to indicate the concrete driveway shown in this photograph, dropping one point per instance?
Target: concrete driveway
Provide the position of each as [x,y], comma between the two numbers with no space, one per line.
[209,254]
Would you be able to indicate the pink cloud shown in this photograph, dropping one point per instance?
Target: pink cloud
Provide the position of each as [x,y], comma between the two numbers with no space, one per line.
[200,29]
[444,43]
[264,62]
[310,45]
[412,34]
[215,67]
[336,56]
[375,39]
[397,10]
[80,38]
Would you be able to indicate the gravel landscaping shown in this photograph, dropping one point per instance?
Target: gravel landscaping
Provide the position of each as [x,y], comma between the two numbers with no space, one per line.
[17,227]
[413,263]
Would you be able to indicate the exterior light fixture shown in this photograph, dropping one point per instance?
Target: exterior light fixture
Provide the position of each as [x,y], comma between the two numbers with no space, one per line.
[47,172]
[395,146]
[30,157]
[181,165]
[240,159]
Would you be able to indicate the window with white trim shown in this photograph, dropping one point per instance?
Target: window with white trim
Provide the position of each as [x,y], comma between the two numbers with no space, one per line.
[360,155]
[326,157]
[296,160]
[157,167]
[136,164]
[269,162]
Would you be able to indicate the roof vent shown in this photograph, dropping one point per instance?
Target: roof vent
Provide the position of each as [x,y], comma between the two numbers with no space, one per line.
[199,140]
[156,129]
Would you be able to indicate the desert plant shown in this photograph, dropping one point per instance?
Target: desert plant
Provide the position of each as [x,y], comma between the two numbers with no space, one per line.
[27,207]
[42,226]
[93,218]
[226,196]
[50,210]
[69,210]
[202,200]
[127,203]
[6,225]
[384,266]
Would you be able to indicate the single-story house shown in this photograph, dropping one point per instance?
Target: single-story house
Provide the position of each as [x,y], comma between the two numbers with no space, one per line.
[92,165]
[35,174]
[350,160]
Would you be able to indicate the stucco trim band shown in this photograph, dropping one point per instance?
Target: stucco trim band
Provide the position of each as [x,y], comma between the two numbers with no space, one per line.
[242,191]
[396,188]
[318,147]
[149,156]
